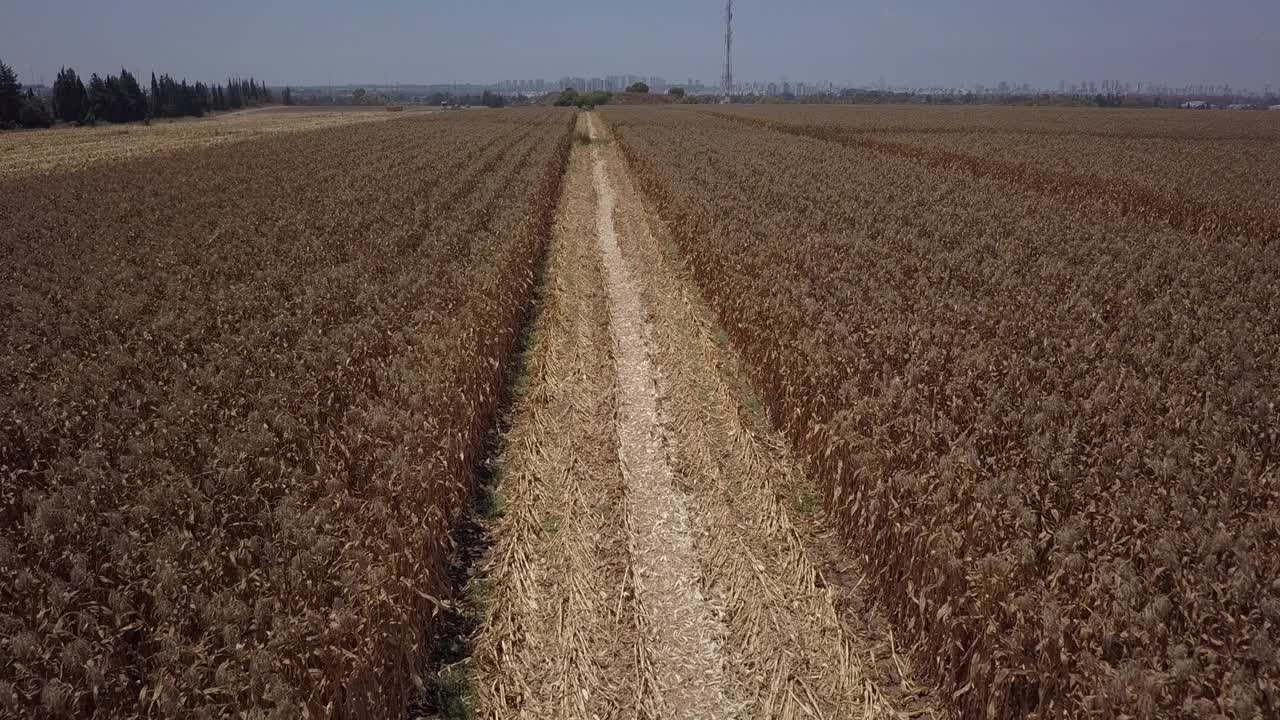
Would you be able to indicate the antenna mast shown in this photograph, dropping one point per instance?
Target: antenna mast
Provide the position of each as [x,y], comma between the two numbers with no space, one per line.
[728,50]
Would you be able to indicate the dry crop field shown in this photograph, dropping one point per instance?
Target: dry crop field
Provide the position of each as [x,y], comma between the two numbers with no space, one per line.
[814,412]
[1216,173]
[242,390]
[1031,357]
[44,151]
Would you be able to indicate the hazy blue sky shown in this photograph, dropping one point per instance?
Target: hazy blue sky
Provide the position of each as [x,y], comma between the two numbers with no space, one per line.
[908,41]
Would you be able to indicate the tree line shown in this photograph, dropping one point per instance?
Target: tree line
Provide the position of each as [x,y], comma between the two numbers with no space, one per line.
[121,98]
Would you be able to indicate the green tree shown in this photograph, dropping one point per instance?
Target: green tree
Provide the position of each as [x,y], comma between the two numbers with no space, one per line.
[287,97]
[10,96]
[235,95]
[590,100]
[572,98]
[133,101]
[110,102]
[676,91]
[640,87]
[156,102]
[34,112]
[70,100]
[97,99]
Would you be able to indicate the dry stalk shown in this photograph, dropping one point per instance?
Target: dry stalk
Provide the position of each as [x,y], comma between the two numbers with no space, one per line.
[550,646]
[793,656]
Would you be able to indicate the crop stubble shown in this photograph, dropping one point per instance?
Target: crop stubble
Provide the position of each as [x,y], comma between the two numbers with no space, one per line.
[559,635]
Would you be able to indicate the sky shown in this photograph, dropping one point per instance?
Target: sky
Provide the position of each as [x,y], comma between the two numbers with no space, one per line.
[908,42]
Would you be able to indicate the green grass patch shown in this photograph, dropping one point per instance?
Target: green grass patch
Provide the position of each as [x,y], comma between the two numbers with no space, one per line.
[805,502]
[454,690]
[491,503]
[550,525]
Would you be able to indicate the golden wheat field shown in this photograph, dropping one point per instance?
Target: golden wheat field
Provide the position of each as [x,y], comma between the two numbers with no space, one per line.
[672,411]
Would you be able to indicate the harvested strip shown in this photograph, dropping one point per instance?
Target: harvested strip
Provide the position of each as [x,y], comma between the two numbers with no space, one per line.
[684,636]
[794,655]
[558,638]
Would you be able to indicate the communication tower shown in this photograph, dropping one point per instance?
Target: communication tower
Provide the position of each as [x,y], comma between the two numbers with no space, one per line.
[728,50]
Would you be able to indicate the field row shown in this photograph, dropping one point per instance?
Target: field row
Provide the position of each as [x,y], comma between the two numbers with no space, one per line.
[1042,122]
[1049,426]
[242,390]
[1215,174]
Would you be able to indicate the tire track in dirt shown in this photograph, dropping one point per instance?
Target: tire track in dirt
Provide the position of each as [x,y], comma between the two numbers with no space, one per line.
[796,642]
[683,634]
[649,564]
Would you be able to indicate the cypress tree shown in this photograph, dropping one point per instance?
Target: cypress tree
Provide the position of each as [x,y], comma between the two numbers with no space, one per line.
[34,113]
[115,104]
[133,100]
[97,99]
[10,95]
[203,103]
[84,98]
[69,100]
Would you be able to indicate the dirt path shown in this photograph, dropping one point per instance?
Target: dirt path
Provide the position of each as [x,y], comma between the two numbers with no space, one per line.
[687,662]
[660,554]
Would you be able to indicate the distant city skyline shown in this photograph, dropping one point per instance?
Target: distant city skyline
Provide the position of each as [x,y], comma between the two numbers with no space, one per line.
[908,43]
[617,82]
